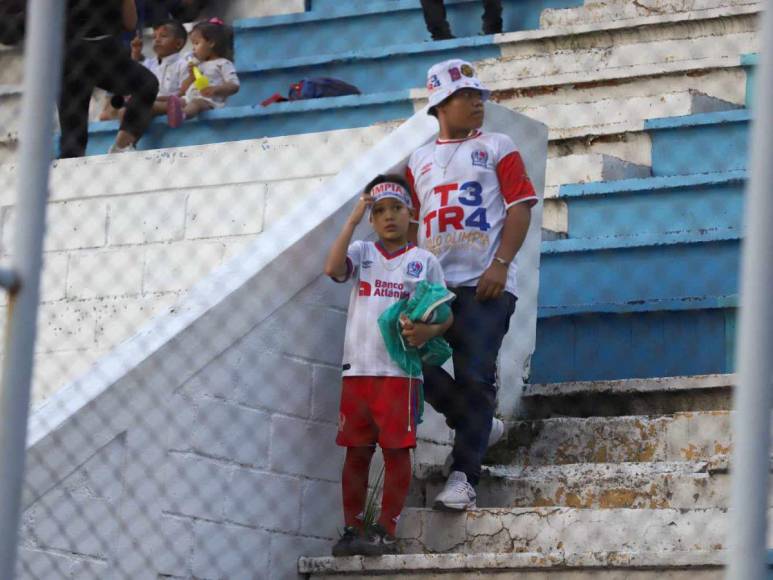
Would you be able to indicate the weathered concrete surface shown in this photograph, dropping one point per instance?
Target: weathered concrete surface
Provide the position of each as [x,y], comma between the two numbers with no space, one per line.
[620,10]
[678,437]
[562,530]
[678,485]
[557,566]
[628,397]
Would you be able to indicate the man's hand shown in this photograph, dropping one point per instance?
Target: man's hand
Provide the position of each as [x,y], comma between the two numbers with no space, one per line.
[208,92]
[492,282]
[417,333]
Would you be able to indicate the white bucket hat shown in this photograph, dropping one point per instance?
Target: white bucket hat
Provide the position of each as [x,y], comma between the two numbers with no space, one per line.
[447,77]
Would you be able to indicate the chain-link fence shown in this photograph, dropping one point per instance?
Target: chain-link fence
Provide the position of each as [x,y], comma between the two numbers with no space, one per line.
[197,404]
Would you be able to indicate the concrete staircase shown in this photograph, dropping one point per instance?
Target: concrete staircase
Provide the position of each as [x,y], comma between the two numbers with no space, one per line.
[570,75]
[646,283]
[618,464]
[602,479]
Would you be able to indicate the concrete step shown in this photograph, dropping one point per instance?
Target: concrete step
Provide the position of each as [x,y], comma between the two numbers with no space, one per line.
[681,565]
[575,116]
[655,205]
[658,485]
[517,56]
[11,65]
[339,27]
[593,12]
[663,395]
[689,436]
[239,123]
[590,167]
[564,530]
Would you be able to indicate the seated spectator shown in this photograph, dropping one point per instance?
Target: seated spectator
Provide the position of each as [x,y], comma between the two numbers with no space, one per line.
[169,65]
[95,57]
[212,76]
[437,24]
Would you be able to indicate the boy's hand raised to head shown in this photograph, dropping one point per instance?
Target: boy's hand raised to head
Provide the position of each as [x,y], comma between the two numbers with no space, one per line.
[363,204]
[136,45]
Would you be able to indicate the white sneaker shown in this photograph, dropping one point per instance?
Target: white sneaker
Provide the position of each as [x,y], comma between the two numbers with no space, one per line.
[457,495]
[497,430]
[116,149]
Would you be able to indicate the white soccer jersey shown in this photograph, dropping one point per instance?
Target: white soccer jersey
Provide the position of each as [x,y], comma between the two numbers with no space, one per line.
[461,191]
[219,71]
[170,71]
[380,280]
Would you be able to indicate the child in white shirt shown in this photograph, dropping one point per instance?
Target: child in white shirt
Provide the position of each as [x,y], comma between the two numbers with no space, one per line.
[212,58]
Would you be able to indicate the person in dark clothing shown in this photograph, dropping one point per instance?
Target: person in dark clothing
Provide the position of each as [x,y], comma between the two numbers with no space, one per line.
[96,57]
[12,15]
[437,24]
[155,11]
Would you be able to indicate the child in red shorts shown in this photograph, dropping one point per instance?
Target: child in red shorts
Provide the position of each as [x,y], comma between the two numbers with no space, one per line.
[378,400]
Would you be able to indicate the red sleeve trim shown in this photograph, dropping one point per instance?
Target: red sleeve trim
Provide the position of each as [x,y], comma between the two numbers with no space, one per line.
[414,197]
[514,182]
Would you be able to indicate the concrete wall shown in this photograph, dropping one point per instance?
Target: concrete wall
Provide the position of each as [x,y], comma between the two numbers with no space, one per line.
[259,8]
[203,446]
[129,235]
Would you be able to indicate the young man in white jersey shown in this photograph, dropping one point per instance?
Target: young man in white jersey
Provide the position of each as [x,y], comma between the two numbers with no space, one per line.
[378,400]
[472,198]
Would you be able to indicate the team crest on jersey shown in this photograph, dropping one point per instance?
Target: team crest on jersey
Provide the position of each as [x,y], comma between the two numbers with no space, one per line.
[426,168]
[480,158]
[414,269]
[366,264]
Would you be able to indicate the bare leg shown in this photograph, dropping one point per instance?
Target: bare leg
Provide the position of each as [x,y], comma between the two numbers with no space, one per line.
[159,108]
[124,139]
[108,112]
[196,106]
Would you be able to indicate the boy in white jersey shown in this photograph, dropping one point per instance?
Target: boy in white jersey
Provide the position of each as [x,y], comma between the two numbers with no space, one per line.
[378,400]
[472,199]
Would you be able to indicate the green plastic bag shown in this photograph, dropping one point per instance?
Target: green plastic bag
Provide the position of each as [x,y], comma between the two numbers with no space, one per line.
[429,304]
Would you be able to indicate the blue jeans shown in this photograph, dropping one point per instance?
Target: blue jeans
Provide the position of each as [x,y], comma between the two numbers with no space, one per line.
[468,401]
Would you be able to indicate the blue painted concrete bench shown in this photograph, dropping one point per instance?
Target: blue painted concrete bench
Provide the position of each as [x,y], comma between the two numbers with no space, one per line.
[647,283]
[340,27]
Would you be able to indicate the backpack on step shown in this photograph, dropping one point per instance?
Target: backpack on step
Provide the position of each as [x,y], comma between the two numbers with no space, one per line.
[317,88]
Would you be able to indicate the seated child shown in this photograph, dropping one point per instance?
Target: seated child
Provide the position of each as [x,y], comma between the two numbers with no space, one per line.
[169,65]
[212,55]
[378,399]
